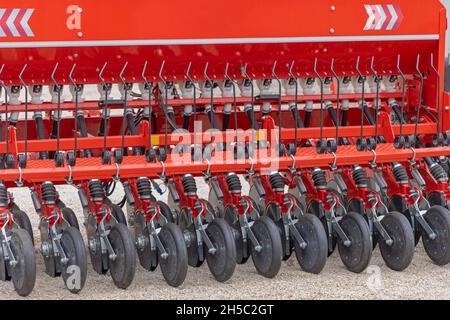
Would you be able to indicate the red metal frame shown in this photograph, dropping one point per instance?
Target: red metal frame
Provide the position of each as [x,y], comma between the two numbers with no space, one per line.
[198,42]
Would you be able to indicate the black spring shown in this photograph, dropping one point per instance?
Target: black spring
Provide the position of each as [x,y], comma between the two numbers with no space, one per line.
[3,196]
[96,189]
[276,181]
[360,176]
[234,184]
[319,178]
[438,172]
[400,173]
[189,185]
[48,192]
[144,188]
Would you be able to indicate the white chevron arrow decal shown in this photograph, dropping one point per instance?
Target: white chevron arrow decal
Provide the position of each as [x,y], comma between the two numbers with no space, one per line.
[24,23]
[15,22]
[371,19]
[383,17]
[10,22]
[2,33]
[394,17]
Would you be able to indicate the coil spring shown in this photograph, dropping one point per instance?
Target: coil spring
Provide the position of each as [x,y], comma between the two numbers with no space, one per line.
[438,172]
[400,173]
[96,189]
[189,185]
[319,178]
[276,181]
[234,184]
[144,188]
[48,192]
[3,196]
[360,176]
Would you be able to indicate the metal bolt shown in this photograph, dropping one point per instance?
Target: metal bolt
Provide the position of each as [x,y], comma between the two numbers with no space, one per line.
[131,219]
[258,248]
[80,10]
[64,261]
[164,256]
[187,238]
[45,249]
[140,242]
[332,30]
[79,34]
[347,243]
[446,108]
[13,263]
[112,256]
[93,245]
[389,242]
[333,8]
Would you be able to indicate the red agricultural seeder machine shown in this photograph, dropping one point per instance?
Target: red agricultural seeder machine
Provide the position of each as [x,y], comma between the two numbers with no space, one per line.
[333,112]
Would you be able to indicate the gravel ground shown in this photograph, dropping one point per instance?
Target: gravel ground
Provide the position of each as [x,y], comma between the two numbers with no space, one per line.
[422,280]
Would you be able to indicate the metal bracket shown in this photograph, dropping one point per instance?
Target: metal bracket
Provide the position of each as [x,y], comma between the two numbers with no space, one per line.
[333,166]
[293,167]
[116,177]
[201,232]
[289,223]
[331,217]
[376,220]
[246,229]
[162,175]
[251,171]
[7,248]
[154,234]
[104,236]
[207,173]
[19,181]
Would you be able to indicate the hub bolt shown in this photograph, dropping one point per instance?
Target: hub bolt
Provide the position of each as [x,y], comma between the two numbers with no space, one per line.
[164,256]
[45,249]
[140,242]
[13,263]
[93,245]
[187,238]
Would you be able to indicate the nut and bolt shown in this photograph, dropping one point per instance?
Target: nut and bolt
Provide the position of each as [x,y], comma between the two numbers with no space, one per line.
[92,245]
[140,242]
[45,249]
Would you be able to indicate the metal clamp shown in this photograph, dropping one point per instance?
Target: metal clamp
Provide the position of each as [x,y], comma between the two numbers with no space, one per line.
[116,177]
[69,179]
[162,175]
[19,182]
[251,171]
[207,173]
[293,167]
[373,163]
[413,159]
[333,166]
